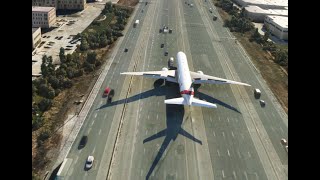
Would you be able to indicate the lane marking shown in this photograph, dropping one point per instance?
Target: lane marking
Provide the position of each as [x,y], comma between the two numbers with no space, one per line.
[228,152]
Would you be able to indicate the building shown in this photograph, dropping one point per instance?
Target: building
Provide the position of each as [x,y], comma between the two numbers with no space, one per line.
[36,37]
[266,4]
[72,4]
[43,17]
[45,3]
[278,26]
[62,4]
[257,14]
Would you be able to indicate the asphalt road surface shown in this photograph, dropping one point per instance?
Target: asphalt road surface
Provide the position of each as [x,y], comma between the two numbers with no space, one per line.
[137,136]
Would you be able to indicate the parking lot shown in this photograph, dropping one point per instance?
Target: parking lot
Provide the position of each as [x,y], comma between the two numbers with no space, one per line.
[67,26]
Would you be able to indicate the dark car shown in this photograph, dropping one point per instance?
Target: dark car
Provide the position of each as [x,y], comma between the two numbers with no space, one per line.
[83,142]
[162,45]
[166,53]
[126,50]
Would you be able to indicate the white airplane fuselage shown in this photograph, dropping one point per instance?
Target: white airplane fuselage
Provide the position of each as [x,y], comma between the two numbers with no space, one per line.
[184,78]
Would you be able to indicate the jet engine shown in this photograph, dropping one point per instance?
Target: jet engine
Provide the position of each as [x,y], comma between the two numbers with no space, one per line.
[164,69]
[200,72]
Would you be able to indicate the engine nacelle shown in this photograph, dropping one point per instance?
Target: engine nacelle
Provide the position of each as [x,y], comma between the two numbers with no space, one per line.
[200,72]
[164,69]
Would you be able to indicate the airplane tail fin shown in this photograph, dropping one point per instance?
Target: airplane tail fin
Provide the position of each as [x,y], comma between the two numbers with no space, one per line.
[195,102]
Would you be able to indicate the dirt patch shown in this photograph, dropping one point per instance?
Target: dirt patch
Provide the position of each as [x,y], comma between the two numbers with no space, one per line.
[128,2]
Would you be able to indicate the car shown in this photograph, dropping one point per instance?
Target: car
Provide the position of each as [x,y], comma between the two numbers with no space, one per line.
[48,36]
[284,141]
[262,103]
[162,45]
[166,53]
[286,148]
[89,162]
[83,142]
[126,50]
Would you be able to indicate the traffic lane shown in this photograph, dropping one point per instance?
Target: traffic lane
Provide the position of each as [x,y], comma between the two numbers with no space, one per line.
[270,152]
[97,99]
[271,119]
[195,50]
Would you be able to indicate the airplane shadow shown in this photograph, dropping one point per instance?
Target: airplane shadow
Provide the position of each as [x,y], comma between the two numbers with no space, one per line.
[174,119]
[211,99]
[158,90]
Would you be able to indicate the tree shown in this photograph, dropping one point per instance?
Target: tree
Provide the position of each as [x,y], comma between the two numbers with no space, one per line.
[256,36]
[54,82]
[84,45]
[44,69]
[34,89]
[62,55]
[45,104]
[266,36]
[37,121]
[281,57]
[242,13]
[91,57]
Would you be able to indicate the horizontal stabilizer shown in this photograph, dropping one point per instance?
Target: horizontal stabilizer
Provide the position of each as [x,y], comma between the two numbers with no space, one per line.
[198,102]
[175,101]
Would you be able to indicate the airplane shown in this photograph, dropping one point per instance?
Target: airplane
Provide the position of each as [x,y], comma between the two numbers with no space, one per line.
[186,80]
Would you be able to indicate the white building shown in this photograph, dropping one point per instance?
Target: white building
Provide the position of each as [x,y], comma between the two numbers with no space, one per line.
[258,14]
[43,17]
[36,37]
[278,26]
[266,4]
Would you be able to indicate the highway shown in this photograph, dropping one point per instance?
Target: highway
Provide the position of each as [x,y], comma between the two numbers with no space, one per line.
[137,136]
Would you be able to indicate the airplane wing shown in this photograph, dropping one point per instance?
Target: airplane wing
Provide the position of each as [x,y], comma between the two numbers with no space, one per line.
[203,78]
[167,75]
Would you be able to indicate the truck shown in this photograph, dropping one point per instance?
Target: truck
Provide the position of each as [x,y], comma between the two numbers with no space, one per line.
[108,93]
[257,93]
[135,23]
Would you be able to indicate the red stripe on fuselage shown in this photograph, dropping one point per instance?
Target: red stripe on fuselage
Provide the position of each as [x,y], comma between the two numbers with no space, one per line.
[187,92]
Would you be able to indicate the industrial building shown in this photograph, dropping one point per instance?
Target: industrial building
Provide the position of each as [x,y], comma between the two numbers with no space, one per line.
[44,17]
[278,26]
[62,4]
[257,14]
[36,37]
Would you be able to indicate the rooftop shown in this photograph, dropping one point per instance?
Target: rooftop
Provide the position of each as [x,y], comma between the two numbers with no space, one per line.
[279,20]
[268,2]
[257,9]
[41,9]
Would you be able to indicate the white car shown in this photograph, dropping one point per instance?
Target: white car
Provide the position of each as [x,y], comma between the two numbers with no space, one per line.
[89,162]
